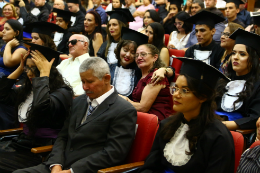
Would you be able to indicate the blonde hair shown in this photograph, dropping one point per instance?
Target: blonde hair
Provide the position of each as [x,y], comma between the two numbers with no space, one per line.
[13,8]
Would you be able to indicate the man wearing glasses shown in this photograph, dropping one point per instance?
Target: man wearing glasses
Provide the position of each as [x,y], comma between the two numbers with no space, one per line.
[69,68]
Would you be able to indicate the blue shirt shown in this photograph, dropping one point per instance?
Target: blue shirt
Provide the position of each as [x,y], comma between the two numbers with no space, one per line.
[244,16]
[102,14]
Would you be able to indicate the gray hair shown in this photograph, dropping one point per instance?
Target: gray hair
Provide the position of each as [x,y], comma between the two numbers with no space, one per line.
[84,38]
[97,64]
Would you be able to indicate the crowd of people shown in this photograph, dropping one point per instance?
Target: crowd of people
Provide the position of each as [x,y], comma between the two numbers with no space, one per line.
[75,73]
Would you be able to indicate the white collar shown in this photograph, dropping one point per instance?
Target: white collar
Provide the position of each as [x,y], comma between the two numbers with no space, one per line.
[100,99]
[80,58]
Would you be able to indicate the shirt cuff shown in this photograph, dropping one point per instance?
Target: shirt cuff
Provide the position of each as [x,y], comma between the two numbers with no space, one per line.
[71,170]
[54,165]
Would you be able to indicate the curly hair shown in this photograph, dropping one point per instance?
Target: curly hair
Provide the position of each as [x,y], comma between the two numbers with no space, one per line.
[47,41]
[197,126]
[253,68]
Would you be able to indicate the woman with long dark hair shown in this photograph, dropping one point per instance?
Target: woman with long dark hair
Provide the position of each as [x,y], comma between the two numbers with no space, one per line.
[150,16]
[43,104]
[194,139]
[155,32]
[238,101]
[92,25]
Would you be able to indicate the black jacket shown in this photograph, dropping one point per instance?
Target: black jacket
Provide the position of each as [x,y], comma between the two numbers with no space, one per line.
[79,23]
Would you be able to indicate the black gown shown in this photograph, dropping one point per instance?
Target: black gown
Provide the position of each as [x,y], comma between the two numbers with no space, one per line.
[62,47]
[250,109]
[53,109]
[215,57]
[214,153]
[169,24]
[79,23]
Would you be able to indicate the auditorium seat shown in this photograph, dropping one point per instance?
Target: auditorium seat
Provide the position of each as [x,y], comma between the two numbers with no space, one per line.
[239,147]
[255,144]
[166,39]
[176,64]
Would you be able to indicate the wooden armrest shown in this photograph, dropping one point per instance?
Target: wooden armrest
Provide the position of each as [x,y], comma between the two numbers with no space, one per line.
[10,131]
[245,132]
[43,149]
[121,168]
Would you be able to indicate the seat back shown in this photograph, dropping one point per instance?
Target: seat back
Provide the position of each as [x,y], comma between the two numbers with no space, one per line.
[255,144]
[146,130]
[239,147]
[176,64]
[166,39]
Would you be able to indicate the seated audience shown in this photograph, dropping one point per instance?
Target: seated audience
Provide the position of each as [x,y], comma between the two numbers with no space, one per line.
[118,19]
[231,10]
[207,50]
[109,119]
[92,25]
[178,39]
[228,44]
[77,24]
[184,141]
[244,15]
[43,104]
[69,68]
[168,12]
[139,14]
[211,6]
[153,99]
[196,6]
[98,8]
[155,33]
[187,7]
[61,38]
[58,4]
[150,16]
[129,5]
[115,4]
[238,100]
[13,49]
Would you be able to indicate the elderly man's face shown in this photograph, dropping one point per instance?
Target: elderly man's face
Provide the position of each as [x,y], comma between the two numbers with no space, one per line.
[79,48]
[94,87]
[59,4]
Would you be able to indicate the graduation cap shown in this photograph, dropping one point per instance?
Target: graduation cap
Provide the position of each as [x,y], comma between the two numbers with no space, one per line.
[43,28]
[73,1]
[247,38]
[122,14]
[199,70]
[205,18]
[176,2]
[66,15]
[47,52]
[256,17]
[237,2]
[129,34]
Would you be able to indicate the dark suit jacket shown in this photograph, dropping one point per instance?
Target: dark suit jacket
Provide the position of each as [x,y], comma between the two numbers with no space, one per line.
[102,141]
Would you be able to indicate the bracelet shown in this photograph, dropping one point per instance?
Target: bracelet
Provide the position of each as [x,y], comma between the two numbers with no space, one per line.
[166,70]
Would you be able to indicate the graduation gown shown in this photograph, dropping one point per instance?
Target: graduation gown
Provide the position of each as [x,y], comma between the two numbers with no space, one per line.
[214,57]
[62,47]
[250,110]
[78,25]
[214,153]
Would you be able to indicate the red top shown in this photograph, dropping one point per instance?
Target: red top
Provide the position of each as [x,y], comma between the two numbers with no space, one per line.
[2,22]
[161,106]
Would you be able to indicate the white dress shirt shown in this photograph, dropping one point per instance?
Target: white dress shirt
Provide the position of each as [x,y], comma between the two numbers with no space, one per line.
[69,69]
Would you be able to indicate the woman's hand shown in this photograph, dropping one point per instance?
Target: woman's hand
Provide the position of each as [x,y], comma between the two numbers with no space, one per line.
[23,58]
[158,75]
[13,43]
[171,46]
[43,65]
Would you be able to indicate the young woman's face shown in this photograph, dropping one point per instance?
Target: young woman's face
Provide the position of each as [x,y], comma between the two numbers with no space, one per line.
[184,100]
[60,22]
[144,58]
[226,42]
[149,33]
[178,24]
[8,33]
[146,2]
[30,69]
[116,4]
[36,39]
[239,59]
[173,9]
[114,28]
[147,19]
[89,23]
[8,11]
[127,54]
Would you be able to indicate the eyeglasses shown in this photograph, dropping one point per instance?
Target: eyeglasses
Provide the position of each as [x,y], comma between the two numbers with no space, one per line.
[226,34]
[27,68]
[178,23]
[182,91]
[73,42]
[142,54]
[7,9]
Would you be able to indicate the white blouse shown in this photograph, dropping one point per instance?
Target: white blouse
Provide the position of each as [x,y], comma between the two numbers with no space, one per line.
[57,38]
[179,44]
[111,56]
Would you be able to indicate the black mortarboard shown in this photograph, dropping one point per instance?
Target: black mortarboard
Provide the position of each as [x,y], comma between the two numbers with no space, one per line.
[47,52]
[129,34]
[177,2]
[201,71]
[66,15]
[73,1]
[205,18]
[43,28]
[122,14]
[237,2]
[256,17]
[247,38]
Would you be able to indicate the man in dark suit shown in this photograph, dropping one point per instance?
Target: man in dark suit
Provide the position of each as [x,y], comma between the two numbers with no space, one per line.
[99,131]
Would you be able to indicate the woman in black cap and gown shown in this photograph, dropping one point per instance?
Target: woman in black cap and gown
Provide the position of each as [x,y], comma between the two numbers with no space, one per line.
[238,101]
[43,103]
[194,140]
